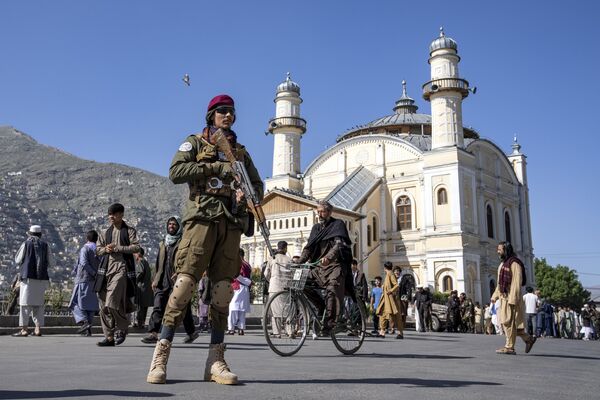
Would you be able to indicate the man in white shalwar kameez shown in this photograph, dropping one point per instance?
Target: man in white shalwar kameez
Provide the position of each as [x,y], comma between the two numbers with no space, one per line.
[240,303]
[34,258]
[274,275]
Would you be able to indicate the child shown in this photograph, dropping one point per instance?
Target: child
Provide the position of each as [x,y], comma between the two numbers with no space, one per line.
[375,297]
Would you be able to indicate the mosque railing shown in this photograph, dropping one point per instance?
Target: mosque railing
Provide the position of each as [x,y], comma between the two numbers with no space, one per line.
[287,121]
[441,84]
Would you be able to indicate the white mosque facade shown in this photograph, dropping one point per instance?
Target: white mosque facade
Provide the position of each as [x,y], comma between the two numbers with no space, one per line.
[421,191]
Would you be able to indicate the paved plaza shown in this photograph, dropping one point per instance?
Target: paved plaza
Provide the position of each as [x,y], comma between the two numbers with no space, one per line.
[423,366]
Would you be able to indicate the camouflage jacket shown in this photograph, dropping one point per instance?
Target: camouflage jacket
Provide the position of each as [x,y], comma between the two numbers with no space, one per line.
[194,164]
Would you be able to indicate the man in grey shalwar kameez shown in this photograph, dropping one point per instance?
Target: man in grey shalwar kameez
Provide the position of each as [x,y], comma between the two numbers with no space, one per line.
[35,258]
[115,282]
[84,301]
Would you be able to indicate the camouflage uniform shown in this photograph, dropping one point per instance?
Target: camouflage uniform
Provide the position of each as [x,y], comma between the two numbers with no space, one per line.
[213,221]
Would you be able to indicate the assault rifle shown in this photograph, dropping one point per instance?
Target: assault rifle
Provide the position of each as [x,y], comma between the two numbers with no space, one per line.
[243,182]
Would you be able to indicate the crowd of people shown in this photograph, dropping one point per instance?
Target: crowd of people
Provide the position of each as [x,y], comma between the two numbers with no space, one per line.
[153,286]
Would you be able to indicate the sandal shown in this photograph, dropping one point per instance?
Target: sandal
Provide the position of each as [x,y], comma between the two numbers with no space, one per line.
[506,350]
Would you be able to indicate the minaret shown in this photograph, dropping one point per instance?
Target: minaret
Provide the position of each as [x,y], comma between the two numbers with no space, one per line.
[445,91]
[518,161]
[287,128]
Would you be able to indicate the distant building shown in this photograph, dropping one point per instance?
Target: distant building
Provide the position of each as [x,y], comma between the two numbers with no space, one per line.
[419,190]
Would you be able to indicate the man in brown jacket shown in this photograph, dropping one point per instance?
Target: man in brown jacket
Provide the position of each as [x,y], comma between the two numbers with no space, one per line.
[511,277]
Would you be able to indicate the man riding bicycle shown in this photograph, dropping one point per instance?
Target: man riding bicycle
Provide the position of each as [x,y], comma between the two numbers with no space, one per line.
[329,244]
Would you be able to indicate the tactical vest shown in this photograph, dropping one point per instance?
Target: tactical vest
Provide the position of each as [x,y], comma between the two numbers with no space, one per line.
[213,184]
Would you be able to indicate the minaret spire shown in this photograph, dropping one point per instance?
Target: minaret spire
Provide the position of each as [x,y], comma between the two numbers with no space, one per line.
[516,146]
[405,104]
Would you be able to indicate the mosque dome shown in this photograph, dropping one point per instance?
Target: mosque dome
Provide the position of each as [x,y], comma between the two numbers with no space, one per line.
[288,85]
[442,42]
[404,122]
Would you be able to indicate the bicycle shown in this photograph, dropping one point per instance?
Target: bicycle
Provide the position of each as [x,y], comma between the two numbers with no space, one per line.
[289,317]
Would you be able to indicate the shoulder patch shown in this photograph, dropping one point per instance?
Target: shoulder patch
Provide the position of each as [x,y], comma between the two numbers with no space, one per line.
[185,146]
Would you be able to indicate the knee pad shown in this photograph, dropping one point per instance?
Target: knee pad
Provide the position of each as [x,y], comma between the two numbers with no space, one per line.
[183,291]
[221,295]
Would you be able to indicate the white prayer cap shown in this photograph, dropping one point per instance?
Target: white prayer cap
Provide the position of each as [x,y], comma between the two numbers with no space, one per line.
[35,229]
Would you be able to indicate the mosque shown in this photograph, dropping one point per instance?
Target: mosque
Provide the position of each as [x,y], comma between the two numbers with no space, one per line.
[419,190]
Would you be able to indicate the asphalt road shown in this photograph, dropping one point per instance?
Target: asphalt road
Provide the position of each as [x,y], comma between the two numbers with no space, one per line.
[422,366]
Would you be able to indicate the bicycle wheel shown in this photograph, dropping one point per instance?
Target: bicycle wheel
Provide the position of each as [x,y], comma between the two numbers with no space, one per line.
[285,323]
[351,326]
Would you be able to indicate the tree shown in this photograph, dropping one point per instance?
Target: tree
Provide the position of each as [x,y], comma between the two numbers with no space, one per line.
[560,285]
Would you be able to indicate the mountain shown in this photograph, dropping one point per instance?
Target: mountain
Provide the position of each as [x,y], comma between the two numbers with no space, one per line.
[68,196]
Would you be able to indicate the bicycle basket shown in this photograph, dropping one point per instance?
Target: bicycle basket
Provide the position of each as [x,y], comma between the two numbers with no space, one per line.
[295,278]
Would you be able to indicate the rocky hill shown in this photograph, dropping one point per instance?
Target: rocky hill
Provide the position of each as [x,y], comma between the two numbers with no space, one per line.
[68,196]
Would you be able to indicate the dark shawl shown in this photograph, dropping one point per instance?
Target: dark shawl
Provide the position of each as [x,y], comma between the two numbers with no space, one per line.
[129,262]
[322,232]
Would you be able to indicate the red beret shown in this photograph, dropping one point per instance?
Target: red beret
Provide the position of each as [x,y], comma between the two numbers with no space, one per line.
[220,100]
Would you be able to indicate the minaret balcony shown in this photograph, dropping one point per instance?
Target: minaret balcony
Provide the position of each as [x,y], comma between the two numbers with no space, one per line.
[287,122]
[445,84]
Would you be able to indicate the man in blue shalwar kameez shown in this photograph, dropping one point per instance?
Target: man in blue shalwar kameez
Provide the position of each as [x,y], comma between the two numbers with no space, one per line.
[84,301]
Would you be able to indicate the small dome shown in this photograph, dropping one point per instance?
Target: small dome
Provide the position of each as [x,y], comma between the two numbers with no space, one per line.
[442,42]
[288,85]
[405,104]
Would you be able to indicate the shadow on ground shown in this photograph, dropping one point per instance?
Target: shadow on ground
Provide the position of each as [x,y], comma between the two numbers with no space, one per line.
[57,394]
[385,355]
[565,356]
[431,383]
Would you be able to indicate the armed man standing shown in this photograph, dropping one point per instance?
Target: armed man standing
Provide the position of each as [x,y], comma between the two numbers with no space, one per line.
[215,217]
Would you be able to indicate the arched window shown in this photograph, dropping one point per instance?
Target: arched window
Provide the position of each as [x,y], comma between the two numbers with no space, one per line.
[507,226]
[280,224]
[369,235]
[305,221]
[404,212]
[269,224]
[293,223]
[442,197]
[447,284]
[299,222]
[287,223]
[490,221]
[374,229]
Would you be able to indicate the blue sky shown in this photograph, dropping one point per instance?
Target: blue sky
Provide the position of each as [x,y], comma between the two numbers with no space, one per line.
[102,80]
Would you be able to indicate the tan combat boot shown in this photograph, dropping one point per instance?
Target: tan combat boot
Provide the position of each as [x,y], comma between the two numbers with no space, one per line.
[158,367]
[216,368]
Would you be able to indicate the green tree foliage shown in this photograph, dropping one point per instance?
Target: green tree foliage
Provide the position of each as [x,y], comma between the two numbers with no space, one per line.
[560,285]
[440,297]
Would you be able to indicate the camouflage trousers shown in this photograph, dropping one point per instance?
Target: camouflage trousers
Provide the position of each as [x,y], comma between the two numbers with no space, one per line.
[211,246]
